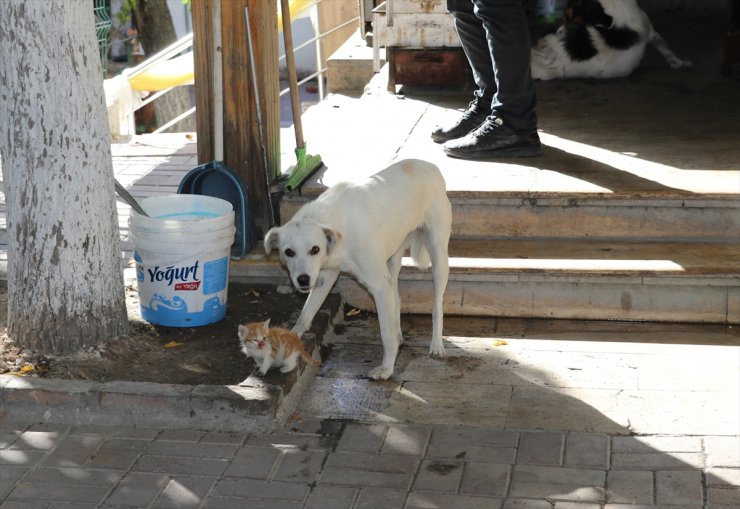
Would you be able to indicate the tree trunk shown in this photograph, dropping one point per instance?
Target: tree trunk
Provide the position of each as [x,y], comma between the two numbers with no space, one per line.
[65,285]
[155,32]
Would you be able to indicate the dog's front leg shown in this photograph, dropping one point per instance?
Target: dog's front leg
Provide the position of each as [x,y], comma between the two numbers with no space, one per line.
[384,305]
[322,287]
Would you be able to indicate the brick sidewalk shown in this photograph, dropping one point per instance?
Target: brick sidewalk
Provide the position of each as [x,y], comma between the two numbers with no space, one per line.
[334,464]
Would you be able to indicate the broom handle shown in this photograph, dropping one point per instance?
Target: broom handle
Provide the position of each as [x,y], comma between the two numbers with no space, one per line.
[292,80]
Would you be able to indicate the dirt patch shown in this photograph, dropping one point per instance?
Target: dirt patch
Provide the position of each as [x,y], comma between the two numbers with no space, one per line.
[152,353]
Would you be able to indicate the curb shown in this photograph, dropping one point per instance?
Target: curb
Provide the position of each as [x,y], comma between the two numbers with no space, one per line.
[257,405]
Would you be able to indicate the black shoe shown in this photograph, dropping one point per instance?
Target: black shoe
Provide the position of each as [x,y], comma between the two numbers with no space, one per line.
[493,139]
[471,118]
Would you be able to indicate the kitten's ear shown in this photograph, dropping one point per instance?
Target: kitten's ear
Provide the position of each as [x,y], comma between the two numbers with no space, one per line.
[266,324]
[242,331]
[272,239]
[333,237]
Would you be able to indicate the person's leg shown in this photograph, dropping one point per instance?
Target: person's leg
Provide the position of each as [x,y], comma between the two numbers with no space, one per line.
[507,33]
[472,39]
[511,129]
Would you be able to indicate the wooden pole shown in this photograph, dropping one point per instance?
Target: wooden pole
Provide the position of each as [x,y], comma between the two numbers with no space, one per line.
[240,128]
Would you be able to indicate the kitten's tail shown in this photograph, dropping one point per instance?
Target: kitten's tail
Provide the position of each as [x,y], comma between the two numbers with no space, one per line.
[310,360]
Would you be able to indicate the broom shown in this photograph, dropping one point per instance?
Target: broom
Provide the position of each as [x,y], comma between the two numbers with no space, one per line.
[306,164]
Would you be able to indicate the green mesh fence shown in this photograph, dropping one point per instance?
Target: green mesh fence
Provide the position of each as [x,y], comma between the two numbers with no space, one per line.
[102,30]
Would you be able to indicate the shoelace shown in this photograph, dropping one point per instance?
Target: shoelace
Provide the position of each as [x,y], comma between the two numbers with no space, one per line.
[489,125]
[471,110]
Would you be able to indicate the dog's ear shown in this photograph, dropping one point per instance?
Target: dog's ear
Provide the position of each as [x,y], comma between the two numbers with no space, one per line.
[333,237]
[272,239]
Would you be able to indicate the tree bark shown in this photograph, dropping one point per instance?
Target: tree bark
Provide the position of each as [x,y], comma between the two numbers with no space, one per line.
[65,285]
[156,31]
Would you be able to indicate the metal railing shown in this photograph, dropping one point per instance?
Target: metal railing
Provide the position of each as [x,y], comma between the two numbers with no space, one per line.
[316,41]
[186,43]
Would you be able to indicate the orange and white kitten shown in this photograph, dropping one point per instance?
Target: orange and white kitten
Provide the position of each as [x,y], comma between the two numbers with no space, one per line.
[268,346]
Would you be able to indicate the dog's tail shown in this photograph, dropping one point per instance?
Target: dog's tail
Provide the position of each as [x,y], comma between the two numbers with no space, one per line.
[418,249]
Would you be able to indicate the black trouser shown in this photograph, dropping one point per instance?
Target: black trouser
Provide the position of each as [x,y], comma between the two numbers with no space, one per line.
[495,37]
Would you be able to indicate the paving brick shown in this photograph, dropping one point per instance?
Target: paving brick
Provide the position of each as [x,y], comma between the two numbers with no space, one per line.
[540,449]
[24,504]
[183,491]
[331,497]
[293,440]
[248,503]
[587,450]
[657,461]
[391,463]
[656,443]
[722,477]
[180,435]
[191,449]
[436,500]
[724,495]
[9,475]
[722,451]
[629,486]
[362,438]
[117,432]
[137,489]
[631,506]
[255,489]
[74,475]
[362,478]
[20,457]
[253,462]
[522,503]
[558,483]
[7,437]
[478,445]
[181,465]
[374,498]
[39,440]
[439,475]
[406,440]
[678,487]
[58,492]
[576,505]
[485,479]
[74,450]
[219,437]
[299,466]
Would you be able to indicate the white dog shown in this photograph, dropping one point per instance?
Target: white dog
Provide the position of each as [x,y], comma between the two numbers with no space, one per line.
[364,229]
[599,39]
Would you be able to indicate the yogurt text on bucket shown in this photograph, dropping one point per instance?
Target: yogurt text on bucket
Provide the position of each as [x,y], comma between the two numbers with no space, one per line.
[172,274]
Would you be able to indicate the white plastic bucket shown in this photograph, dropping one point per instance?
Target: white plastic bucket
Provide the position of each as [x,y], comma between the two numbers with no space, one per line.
[182,258]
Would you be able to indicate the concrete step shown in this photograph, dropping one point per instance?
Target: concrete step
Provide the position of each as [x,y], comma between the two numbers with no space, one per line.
[564,279]
[351,66]
[504,215]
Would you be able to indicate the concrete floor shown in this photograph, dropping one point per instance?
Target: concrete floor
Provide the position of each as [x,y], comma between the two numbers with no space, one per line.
[660,132]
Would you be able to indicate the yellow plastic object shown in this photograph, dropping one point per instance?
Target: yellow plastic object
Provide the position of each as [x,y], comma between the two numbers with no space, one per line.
[171,73]
[296,7]
[180,70]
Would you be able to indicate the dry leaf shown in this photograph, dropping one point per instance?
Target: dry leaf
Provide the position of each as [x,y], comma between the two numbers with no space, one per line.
[172,344]
[353,312]
[500,342]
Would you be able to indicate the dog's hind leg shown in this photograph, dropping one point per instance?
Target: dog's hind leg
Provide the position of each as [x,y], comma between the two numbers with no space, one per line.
[319,292]
[394,269]
[438,238]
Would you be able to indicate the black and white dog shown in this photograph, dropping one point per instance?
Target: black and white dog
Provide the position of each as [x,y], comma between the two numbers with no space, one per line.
[598,39]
